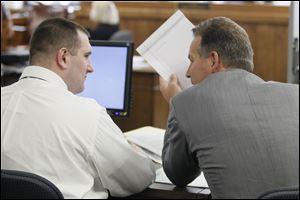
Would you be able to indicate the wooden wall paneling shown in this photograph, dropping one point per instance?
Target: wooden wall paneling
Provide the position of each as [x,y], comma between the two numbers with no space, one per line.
[266,25]
[270,51]
[160,107]
[141,113]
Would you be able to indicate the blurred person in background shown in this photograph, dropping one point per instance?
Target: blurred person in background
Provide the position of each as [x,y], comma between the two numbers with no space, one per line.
[106,15]
[6,27]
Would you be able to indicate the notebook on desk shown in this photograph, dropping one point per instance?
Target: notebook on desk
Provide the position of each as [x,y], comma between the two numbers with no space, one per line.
[151,141]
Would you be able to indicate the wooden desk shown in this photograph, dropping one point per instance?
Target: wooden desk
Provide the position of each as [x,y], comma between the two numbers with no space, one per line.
[168,191]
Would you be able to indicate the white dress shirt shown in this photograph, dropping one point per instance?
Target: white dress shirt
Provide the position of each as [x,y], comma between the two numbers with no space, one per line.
[69,140]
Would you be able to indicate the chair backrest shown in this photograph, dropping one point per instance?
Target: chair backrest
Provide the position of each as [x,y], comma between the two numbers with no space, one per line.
[24,185]
[282,193]
[123,35]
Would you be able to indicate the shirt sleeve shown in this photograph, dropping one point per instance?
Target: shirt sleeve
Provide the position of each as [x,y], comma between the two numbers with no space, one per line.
[178,162]
[121,169]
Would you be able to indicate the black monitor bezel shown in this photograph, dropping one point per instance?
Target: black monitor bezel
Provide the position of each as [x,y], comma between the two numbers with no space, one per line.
[130,46]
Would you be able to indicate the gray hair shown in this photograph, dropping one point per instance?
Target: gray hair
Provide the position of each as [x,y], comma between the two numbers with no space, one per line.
[230,40]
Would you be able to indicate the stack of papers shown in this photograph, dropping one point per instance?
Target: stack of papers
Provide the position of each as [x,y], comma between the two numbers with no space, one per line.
[151,140]
[161,177]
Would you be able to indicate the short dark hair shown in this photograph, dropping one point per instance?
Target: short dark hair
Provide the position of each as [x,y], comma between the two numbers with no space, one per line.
[230,40]
[53,34]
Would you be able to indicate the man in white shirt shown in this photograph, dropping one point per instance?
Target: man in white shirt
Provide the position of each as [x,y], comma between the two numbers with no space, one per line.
[69,140]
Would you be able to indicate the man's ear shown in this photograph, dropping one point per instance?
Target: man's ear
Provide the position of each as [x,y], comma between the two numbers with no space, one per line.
[216,61]
[62,57]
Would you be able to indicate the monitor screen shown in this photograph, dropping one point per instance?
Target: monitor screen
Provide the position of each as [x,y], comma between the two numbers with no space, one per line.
[110,82]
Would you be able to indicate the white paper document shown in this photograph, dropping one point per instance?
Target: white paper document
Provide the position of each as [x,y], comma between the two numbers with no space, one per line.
[161,177]
[167,49]
[141,65]
[151,140]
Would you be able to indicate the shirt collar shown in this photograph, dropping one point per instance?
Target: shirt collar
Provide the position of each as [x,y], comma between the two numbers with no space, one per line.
[44,74]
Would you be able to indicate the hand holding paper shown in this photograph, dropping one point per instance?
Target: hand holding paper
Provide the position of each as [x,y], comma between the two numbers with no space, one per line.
[167,49]
[169,88]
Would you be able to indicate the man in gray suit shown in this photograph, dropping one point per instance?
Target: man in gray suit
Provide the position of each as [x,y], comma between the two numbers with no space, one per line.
[240,131]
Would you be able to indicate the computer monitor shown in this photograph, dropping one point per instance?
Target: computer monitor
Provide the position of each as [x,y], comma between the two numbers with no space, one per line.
[110,83]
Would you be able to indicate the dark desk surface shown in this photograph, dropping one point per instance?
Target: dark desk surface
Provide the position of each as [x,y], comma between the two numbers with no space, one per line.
[169,191]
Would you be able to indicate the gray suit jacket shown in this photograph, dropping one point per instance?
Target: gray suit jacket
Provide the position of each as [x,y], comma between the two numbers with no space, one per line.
[240,131]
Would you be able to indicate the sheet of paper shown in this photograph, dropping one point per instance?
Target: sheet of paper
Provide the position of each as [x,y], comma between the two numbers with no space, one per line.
[154,157]
[167,49]
[149,138]
[141,65]
[162,178]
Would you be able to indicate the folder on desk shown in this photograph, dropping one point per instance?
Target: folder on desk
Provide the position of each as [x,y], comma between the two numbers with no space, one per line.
[167,49]
[151,141]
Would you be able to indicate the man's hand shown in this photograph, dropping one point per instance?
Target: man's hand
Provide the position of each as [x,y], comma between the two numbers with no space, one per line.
[169,88]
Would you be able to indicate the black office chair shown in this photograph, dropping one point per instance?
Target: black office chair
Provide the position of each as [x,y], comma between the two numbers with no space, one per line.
[123,35]
[24,185]
[282,193]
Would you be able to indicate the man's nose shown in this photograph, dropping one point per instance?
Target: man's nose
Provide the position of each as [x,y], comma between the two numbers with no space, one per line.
[90,68]
[187,74]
